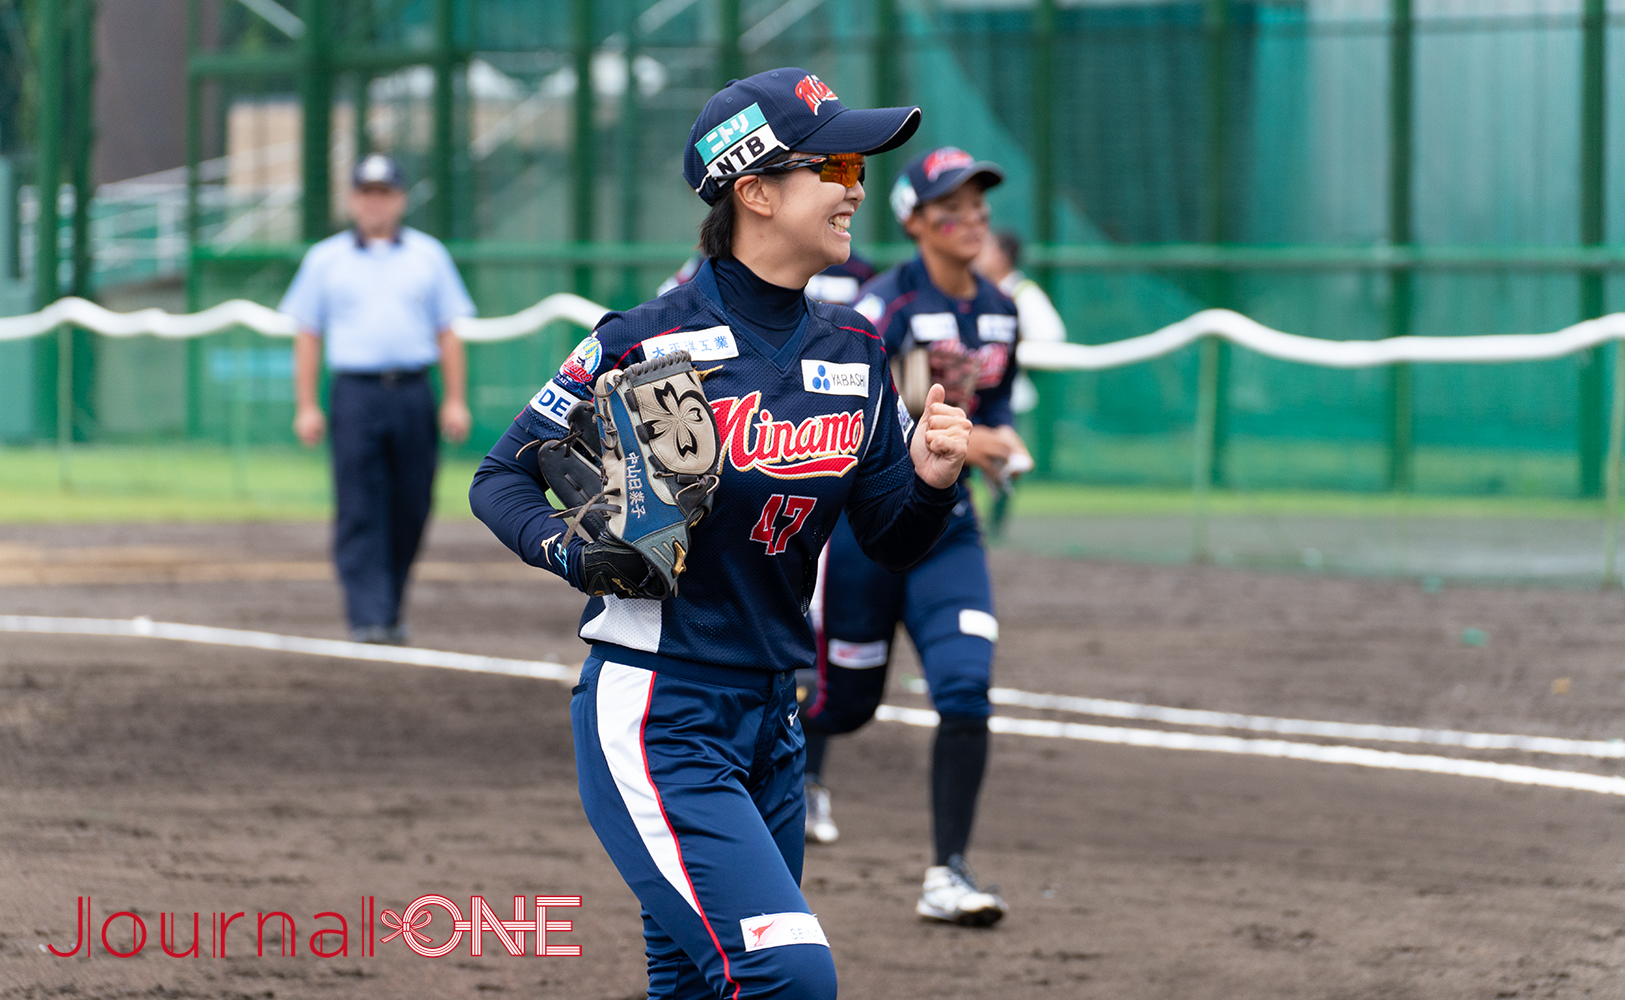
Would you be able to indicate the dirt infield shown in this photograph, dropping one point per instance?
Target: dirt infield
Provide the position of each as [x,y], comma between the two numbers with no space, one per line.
[160,777]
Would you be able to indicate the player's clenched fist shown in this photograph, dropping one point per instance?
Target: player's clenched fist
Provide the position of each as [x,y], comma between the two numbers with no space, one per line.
[940,441]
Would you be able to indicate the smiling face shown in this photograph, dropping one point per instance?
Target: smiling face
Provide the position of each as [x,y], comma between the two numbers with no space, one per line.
[953,226]
[806,219]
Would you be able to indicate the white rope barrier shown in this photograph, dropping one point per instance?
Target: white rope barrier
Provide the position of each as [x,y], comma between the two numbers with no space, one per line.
[563,305]
[1231,326]
[151,322]
[240,312]
[1255,336]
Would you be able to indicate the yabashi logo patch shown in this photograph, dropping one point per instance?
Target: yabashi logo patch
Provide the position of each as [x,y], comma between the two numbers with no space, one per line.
[815,92]
[946,158]
[824,445]
[833,379]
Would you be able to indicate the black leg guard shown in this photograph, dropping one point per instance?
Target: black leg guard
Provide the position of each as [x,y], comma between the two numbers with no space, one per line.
[958,761]
[817,743]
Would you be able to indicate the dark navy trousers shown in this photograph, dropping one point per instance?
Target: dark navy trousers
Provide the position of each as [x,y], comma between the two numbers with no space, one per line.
[691,776]
[385,448]
[946,603]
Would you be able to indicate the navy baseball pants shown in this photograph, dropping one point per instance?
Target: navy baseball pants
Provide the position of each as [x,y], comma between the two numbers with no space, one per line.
[385,447]
[945,602]
[691,775]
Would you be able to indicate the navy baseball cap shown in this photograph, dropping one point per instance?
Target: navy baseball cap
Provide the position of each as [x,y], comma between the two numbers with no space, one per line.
[942,171]
[780,110]
[379,169]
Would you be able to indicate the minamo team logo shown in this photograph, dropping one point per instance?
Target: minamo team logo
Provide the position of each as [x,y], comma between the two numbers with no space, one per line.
[824,445]
[815,92]
[583,361]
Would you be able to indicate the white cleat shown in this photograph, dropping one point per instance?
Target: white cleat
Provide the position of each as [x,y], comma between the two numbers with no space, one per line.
[821,828]
[950,895]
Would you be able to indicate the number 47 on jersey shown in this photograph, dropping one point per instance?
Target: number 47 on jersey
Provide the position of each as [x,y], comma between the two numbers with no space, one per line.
[770,531]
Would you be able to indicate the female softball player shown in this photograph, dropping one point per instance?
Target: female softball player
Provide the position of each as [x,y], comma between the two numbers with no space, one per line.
[688,745]
[942,323]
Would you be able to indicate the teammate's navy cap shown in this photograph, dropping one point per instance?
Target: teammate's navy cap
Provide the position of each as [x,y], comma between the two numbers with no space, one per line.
[786,109]
[940,172]
[377,169]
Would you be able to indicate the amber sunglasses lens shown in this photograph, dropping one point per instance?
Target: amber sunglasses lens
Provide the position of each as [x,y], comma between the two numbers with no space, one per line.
[845,169]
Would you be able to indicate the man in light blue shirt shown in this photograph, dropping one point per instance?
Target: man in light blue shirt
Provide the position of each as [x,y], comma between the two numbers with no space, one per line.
[377,301]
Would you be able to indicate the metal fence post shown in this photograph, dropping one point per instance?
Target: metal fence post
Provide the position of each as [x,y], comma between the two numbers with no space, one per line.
[1593,200]
[443,211]
[1207,405]
[64,407]
[316,98]
[883,228]
[1616,444]
[1043,209]
[1216,31]
[581,202]
[241,372]
[194,179]
[631,144]
[731,59]
[1401,412]
[48,151]
[82,138]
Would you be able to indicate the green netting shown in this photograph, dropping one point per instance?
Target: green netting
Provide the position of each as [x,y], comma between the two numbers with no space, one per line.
[1304,160]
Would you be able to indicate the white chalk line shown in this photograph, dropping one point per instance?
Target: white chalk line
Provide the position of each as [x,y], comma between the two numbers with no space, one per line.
[546,670]
[1304,727]
[1517,774]
[146,628]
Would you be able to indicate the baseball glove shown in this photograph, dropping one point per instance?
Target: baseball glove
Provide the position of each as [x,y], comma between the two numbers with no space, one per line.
[948,363]
[636,471]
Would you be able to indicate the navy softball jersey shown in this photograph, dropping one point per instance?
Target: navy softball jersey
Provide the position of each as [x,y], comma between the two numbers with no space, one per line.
[946,600]
[689,751]
[808,430]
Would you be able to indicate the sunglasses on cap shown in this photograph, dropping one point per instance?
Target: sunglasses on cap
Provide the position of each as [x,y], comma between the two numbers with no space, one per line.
[845,169]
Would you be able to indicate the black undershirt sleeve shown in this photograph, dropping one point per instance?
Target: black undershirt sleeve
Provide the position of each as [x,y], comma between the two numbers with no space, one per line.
[897,528]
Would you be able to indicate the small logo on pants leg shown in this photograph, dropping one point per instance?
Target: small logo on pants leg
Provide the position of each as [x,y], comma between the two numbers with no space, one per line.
[775,930]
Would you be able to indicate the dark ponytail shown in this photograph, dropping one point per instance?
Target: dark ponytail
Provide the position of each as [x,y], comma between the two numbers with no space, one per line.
[717,231]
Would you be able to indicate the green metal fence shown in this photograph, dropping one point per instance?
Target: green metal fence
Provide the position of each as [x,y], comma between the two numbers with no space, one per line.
[1339,168]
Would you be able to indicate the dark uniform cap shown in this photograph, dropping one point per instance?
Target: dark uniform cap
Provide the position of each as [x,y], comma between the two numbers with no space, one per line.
[779,110]
[942,171]
[377,168]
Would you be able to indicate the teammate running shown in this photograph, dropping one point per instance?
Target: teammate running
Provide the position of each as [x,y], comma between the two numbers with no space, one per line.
[688,747]
[945,324]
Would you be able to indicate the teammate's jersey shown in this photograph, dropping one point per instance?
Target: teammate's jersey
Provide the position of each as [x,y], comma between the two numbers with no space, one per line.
[909,311]
[807,430]
[838,283]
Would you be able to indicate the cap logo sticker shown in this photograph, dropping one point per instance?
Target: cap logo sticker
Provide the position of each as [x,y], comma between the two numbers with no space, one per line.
[946,158]
[815,92]
[738,142]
